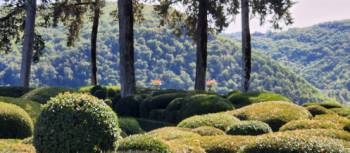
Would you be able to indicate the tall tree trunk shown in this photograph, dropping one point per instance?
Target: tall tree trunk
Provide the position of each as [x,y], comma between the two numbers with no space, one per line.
[202,41]
[246,46]
[27,50]
[94,42]
[126,48]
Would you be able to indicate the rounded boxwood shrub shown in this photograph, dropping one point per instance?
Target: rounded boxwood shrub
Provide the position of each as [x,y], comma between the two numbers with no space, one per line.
[243,99]
[224,143]
[345,111]
[15,146]
[158,102]
[43,94]
[330,133]
[249,128]
[309,124]
[318,110]
[327,105]
[128,106]
[171,133]
[76,123]
[208,131]
[201,104]
[282,143]
[14,122]
[143,143]
[13,91]
[130,126]
[274,113]
[219,120]
[31,107]
[336,119]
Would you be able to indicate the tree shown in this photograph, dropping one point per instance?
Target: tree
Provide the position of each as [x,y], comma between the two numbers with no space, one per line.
[277,10]
[195,22]
[71,13]
[126,47]
[96,19]
[19,17]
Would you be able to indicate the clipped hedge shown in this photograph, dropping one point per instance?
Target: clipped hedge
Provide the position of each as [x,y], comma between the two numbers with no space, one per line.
[171,133]
[158,102]
[224,144]
[275,113]
[249,128]
[198,105]
[15,146]
[43,94]
[318,110]
[218,120]
[149,125]
[309,124]
[327,105]
[330,133]
[208,131]
[31,107]
[128,106]
[336,119]
[13,91]
[345,111]
[143,143]
[76,123]
[284,143]
[244,99]
[130,126]
[14,122]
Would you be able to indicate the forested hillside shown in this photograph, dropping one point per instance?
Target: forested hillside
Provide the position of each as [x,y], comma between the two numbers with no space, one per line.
[159,55]
[320,54]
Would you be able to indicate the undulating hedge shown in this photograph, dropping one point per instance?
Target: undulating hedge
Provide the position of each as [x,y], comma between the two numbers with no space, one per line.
[345,111]
[128,106]
[208,131]
[224,144]
[330,133]
[149,125]
[43,94]
[318,110]
[219,120]
[274,113]
[130,125]
[171,133]
[249,128]
[243,99]
[14,122]
[158,102]
[327,105]
[31,107]
[143,144]
[13,91]
[285,143]
[15,146]
[309,124]
[198,105]
[76,123]
[336,119]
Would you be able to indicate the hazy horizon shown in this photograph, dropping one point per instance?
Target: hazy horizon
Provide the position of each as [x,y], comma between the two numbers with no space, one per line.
[305,14]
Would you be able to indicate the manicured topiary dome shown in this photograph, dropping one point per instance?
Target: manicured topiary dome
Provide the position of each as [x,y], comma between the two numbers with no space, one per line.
[285,143]
[143,143]
[208,131]
[198,105]
[76,123]
[219,120]
[318,110]
[14,122]
[309,124]
[275,113]
[171,133]
[43,94]
[244,99]
[249,128]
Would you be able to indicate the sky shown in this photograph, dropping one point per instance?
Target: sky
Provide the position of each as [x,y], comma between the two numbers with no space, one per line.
[306,13]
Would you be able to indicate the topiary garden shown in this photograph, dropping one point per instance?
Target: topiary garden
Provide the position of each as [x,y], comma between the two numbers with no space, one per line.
[171,121]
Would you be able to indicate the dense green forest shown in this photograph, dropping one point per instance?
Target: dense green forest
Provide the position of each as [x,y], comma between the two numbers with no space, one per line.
[162,55]
[320,54]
